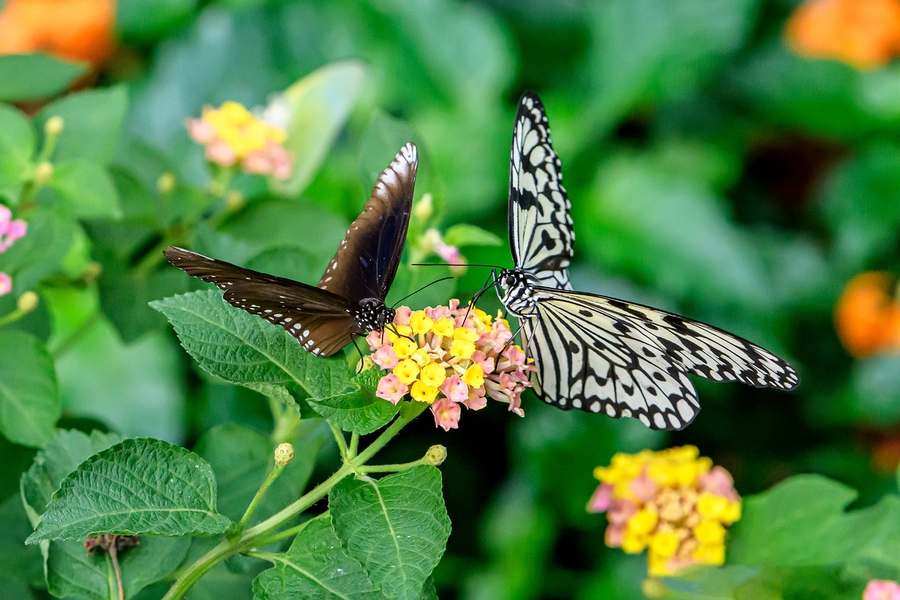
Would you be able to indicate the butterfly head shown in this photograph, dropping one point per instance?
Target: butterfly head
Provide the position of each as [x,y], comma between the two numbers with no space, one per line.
[516,292]
[373,315]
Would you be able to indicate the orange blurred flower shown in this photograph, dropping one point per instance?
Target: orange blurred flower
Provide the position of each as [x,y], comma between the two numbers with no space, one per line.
[861,33]
[867,316]
[69,29]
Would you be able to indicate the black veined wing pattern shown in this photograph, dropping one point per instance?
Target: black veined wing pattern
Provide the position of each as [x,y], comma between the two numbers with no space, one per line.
[349,300]
[540,227]
[608,356]
[595,353]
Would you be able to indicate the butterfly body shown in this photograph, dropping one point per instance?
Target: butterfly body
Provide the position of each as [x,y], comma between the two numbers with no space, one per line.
[348,301]
[596,353]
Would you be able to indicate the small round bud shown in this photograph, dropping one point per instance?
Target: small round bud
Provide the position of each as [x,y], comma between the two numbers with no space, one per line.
[43,172]
[54,125]
[653,588]
[424,208]
[284,454]
[166,183]
[436,455]
[365,364]
[234,201]
[27,302]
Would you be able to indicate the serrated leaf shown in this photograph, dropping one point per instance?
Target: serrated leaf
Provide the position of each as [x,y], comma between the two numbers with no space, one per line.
[315,568]
[73,572]
[470,235]
[29,394]
[242,458]
[34,76]
[85,190]
[802,522]
[396,527]
[137,487]
[92,122]
[16,149]
[319,105]
[357,409]
[247,350]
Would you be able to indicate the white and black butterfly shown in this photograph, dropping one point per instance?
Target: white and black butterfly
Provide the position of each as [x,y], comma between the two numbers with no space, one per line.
[349,299]
[592,352]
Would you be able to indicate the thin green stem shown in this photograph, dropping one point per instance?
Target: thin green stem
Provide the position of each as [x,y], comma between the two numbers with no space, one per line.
[273,475]
[289,532]
[341,441]
[12,317]
[391,468]
[266,556]
[153,258]
[67,342]
[354,445]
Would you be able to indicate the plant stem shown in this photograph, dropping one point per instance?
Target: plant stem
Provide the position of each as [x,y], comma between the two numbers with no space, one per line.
[341,441]
[290,532]
[354,445]
[273,475]
[12,317]
[392,468]
[254,536]
[67,342]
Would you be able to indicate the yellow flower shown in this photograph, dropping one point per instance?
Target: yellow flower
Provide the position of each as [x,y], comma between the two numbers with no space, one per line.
[643,521]
[710,554]
[665,544]
[433,375]
[423,393]
[421,357]
[732,513]
[464,334]
[632,542]
[420,322]
[709,532]
[404,330]
[404,347]
[443,327]
[482,316]
[406,371]
[474,376]
[462,349]
[711,506]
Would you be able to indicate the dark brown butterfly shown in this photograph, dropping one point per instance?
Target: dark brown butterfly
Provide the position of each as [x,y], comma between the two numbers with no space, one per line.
[349,299]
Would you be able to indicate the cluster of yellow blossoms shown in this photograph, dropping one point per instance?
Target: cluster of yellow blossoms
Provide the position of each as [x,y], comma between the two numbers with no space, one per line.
[672,503]
[233,135]
[449,356]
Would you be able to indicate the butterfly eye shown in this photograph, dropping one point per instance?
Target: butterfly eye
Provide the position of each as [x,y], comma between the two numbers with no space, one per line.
[510,281]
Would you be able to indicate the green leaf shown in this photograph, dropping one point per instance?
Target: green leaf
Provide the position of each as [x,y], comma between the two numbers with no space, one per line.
[801,522]
[357,409]
[35,76]
[92,123]
[41,252]
[470,235]
[143,21]
[242,458]
[397,527]
[60,456]
[85,190]
[16,150]
[138,487]
[29,394]
[316,568]
[248,350]
[17,561]
[319,105]
[72,572]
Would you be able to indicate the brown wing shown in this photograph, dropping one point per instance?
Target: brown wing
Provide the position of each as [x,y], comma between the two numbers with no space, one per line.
[366,261]
[321,321]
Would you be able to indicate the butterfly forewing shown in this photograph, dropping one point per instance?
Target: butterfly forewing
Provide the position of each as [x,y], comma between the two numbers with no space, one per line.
[322,322]
[540,227]
[367,259]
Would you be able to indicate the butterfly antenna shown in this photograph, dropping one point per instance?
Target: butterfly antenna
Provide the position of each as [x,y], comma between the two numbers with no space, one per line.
[480,293]
[358,351]
[455,265]
[420,289]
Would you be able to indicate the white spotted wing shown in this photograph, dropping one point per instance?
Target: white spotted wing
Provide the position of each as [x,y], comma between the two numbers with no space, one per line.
[608,356]
[540,228]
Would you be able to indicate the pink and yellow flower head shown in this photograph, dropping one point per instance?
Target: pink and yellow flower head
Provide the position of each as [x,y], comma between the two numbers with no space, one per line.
[674,503]
[880,589]
[233,135]
[11,230]
[449,356]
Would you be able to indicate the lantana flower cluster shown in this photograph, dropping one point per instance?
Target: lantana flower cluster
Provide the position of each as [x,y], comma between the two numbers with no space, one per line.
[880,589]
[672,503]
[11,231]
[450,356]
[233,135]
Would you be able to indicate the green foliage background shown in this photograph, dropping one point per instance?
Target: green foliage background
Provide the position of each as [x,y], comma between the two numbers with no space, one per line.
[711,171]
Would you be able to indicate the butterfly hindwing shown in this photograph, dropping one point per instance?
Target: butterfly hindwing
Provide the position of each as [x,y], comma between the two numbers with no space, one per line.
[540,227]
[604,355]
[366,262]
[322,322]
